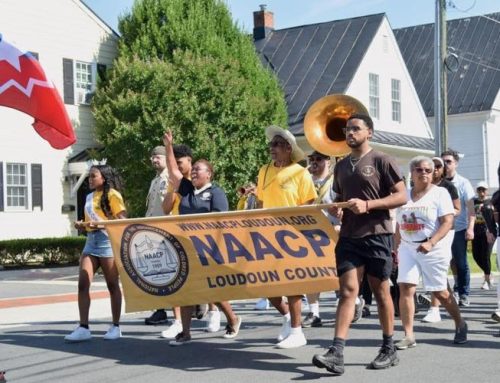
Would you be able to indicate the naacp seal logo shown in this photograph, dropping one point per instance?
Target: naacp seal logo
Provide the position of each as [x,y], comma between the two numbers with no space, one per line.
[154,259]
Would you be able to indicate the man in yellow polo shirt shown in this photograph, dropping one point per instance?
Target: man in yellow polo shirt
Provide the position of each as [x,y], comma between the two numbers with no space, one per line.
[284,183]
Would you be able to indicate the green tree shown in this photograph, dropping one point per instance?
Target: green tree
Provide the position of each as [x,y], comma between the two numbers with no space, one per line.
[184,65]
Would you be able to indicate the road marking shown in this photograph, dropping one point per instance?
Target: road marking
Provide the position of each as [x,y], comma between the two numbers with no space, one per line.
[48,299]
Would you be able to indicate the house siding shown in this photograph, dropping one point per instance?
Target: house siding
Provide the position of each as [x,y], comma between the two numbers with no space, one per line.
[384,59]
[55,29]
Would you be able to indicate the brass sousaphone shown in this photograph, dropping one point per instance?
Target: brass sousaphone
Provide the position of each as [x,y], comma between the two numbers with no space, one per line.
[325,120]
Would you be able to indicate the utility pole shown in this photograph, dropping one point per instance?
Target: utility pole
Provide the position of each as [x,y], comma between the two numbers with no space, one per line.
[440,84]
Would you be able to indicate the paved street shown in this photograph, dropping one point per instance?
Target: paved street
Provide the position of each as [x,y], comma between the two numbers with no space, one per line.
[32,348]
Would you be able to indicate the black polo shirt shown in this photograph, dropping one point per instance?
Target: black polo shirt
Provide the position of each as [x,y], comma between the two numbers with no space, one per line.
[209,200]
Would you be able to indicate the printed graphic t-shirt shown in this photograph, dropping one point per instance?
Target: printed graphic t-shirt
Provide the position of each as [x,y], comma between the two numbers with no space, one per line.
[419,220]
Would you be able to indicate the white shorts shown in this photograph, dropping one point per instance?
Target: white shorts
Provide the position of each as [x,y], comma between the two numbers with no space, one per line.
[433,266]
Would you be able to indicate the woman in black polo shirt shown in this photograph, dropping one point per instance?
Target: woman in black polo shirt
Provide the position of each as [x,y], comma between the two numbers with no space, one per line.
[198,195]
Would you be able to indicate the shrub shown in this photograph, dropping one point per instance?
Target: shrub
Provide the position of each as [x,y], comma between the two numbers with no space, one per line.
[47,251]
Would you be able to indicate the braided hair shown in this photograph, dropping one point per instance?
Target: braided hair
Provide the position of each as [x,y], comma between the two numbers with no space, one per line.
[112,180]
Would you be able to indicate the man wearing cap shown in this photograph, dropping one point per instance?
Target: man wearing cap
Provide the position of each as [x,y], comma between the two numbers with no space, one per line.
[157,191]
[369,182]
[485,232]
[322,176]
[284,183]
[464,225]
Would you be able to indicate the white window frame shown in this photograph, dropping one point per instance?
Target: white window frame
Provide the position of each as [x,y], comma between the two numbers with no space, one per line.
[396,99]
[27,185]
[374,95]
[82,96]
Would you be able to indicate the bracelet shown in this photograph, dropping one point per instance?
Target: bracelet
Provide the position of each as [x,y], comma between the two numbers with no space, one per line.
[367,210]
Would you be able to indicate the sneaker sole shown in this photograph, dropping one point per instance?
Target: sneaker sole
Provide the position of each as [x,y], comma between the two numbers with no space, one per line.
[393,364]
[407,347]
[320,364]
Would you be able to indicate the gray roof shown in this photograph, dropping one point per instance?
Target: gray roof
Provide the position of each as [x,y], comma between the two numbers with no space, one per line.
[476,41]
[397,139]
[312,61]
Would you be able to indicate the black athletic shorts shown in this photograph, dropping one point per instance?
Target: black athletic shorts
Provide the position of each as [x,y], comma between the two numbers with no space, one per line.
[373,252]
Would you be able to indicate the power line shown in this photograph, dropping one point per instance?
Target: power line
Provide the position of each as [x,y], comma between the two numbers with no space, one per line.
[454,6]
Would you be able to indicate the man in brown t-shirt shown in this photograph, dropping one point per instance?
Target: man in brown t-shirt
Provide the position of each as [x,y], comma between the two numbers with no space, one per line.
[371,183]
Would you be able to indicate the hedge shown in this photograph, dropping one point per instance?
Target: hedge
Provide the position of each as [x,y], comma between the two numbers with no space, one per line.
[46,251]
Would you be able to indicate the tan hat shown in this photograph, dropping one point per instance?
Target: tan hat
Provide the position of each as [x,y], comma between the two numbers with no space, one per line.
[273,131]
[159,151]
[482,184]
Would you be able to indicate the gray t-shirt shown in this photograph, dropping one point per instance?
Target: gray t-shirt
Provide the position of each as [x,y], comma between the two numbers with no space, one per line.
[371,178]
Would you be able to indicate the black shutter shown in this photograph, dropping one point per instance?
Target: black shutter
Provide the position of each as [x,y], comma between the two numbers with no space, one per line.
[101,72]
[69,90]
[36,186]
[1,186]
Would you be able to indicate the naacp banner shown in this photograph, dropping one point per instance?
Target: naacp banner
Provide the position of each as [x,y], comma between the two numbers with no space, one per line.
[184,260]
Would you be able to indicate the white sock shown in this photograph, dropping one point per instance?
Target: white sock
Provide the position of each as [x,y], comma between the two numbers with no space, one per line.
[296,330]
[435,309]
[176,321]
[357,301]
[288,317]
[314,308]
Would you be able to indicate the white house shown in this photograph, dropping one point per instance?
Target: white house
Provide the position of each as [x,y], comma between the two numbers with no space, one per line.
[358,57]
[473,88]
[74,46]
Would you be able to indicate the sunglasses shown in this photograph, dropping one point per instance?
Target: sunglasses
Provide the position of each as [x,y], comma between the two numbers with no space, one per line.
[281,144]
[354,129]
[423,170]
[437,166]
[316,159]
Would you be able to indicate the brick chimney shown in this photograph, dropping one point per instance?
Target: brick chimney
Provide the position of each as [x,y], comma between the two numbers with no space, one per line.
[263,23]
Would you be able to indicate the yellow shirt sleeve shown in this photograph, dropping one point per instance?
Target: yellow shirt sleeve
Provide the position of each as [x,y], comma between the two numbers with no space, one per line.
[116,202]
[307,191]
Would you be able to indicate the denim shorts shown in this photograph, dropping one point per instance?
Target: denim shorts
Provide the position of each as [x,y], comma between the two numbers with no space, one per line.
[98,244]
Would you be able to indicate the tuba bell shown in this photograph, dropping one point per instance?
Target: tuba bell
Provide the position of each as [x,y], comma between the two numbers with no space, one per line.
[325,120]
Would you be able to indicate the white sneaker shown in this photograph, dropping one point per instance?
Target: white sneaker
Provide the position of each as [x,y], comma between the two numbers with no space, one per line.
[213,321]
[113,333]
[433,316]
[80,334]
[293,341]
[262,304]
[171,332]
[286,327]
[485,286]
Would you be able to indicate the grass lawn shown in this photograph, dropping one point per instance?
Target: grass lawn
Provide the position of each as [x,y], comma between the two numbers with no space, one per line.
[474,268]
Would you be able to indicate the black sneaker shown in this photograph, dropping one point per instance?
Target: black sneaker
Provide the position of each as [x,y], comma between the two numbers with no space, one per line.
[387,357]
[461,334]
[366,312]
[424,300]
[311,320]
[158,317]
[358,310]
[200,311]
[332,360]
